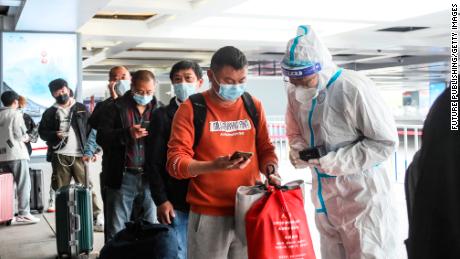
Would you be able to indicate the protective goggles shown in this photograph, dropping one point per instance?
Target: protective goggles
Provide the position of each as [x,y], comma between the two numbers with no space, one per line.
[301,72]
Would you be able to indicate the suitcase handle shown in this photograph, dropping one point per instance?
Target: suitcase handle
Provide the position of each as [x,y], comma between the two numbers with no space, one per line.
[76,222]
[86,165]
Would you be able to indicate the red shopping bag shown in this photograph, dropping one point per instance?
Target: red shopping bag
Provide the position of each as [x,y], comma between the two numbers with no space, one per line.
[277,228]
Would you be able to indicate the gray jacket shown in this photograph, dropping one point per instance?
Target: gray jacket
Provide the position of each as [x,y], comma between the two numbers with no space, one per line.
[13,133]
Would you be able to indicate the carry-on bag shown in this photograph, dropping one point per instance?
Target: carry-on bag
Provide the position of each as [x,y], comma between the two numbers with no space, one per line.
[36,190]
[246,196]
[276,225]
[6,197]
[74,219]
[142,239]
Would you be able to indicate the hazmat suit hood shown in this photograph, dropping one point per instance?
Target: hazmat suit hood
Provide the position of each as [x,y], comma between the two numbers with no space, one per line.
[307,50]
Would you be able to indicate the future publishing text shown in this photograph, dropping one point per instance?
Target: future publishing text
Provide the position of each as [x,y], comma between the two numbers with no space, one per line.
[454,69]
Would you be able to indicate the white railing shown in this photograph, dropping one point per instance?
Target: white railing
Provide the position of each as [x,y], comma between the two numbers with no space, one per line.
[277,133]
[409,143]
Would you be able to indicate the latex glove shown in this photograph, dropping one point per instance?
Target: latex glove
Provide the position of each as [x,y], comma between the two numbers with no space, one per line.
[295,160]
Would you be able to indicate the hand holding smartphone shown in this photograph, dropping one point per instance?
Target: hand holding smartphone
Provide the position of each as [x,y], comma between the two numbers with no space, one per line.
[145,125]
[240,154]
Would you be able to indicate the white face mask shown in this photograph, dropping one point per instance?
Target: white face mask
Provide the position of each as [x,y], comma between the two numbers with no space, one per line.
[305,95]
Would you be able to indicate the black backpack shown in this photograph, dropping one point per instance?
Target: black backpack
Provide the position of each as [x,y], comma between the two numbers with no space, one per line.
[200,111]
[141,239]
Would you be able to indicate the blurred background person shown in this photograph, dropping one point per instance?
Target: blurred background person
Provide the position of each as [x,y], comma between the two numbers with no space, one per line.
[13,154]
[32,128]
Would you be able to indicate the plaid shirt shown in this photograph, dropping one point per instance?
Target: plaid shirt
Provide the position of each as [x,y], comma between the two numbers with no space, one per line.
[135,153]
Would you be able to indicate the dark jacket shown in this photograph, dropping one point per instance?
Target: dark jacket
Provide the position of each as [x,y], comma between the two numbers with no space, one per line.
[98,112]
[49,125]
[113,136]
[434,225]
[162,186]
[30,125]
[94,122]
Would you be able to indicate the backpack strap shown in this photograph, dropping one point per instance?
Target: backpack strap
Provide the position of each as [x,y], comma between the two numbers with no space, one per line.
[251,109]
[200,111]
[199,116]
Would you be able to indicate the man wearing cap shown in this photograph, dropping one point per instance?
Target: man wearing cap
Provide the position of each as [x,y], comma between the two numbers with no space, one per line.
[346,134]
[64,127]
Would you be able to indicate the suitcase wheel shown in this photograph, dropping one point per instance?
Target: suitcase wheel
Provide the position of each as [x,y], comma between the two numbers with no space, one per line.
[8,223]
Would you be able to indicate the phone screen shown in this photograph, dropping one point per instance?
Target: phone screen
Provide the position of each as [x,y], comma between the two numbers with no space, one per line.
[145,124]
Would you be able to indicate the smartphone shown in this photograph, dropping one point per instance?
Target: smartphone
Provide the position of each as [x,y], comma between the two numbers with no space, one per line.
[239,154]
[145,124]
[312,153]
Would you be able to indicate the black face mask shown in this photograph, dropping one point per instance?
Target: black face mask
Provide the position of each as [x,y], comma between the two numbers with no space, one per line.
[62,99]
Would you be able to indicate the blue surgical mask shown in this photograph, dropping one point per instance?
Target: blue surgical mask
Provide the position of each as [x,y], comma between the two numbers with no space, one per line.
[230,92]
[142,99]
[184,90]
[122,86]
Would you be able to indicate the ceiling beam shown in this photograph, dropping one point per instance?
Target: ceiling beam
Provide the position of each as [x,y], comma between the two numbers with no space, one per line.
[57,15]
[416,60]
[108,53]
[14,3]
[362,60]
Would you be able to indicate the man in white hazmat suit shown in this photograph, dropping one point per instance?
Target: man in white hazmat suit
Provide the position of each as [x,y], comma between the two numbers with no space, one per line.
[340,112]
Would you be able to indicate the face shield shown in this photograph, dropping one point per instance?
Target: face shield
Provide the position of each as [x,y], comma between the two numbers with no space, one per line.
[305,57]
[298,73]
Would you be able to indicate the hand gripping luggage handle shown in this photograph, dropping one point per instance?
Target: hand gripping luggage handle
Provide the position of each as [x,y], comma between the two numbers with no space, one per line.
[286,187]
[86,164]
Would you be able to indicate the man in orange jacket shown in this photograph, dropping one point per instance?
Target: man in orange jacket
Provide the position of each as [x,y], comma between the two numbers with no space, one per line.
[215,176]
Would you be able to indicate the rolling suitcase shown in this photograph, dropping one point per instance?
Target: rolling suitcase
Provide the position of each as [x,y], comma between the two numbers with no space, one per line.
[74,220]
[36,190]
[6,198]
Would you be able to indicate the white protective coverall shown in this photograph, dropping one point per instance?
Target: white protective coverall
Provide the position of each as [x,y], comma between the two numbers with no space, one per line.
[355,214]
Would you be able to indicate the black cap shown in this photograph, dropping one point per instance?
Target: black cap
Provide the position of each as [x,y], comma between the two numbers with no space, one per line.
[57,84]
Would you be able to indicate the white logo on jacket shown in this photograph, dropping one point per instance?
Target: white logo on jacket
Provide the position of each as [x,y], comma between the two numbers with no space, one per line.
[230,126]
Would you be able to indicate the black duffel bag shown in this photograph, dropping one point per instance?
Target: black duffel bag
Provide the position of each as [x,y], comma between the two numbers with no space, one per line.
[141,239]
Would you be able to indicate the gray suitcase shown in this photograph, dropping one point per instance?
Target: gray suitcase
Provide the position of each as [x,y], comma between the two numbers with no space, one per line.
[36,190]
